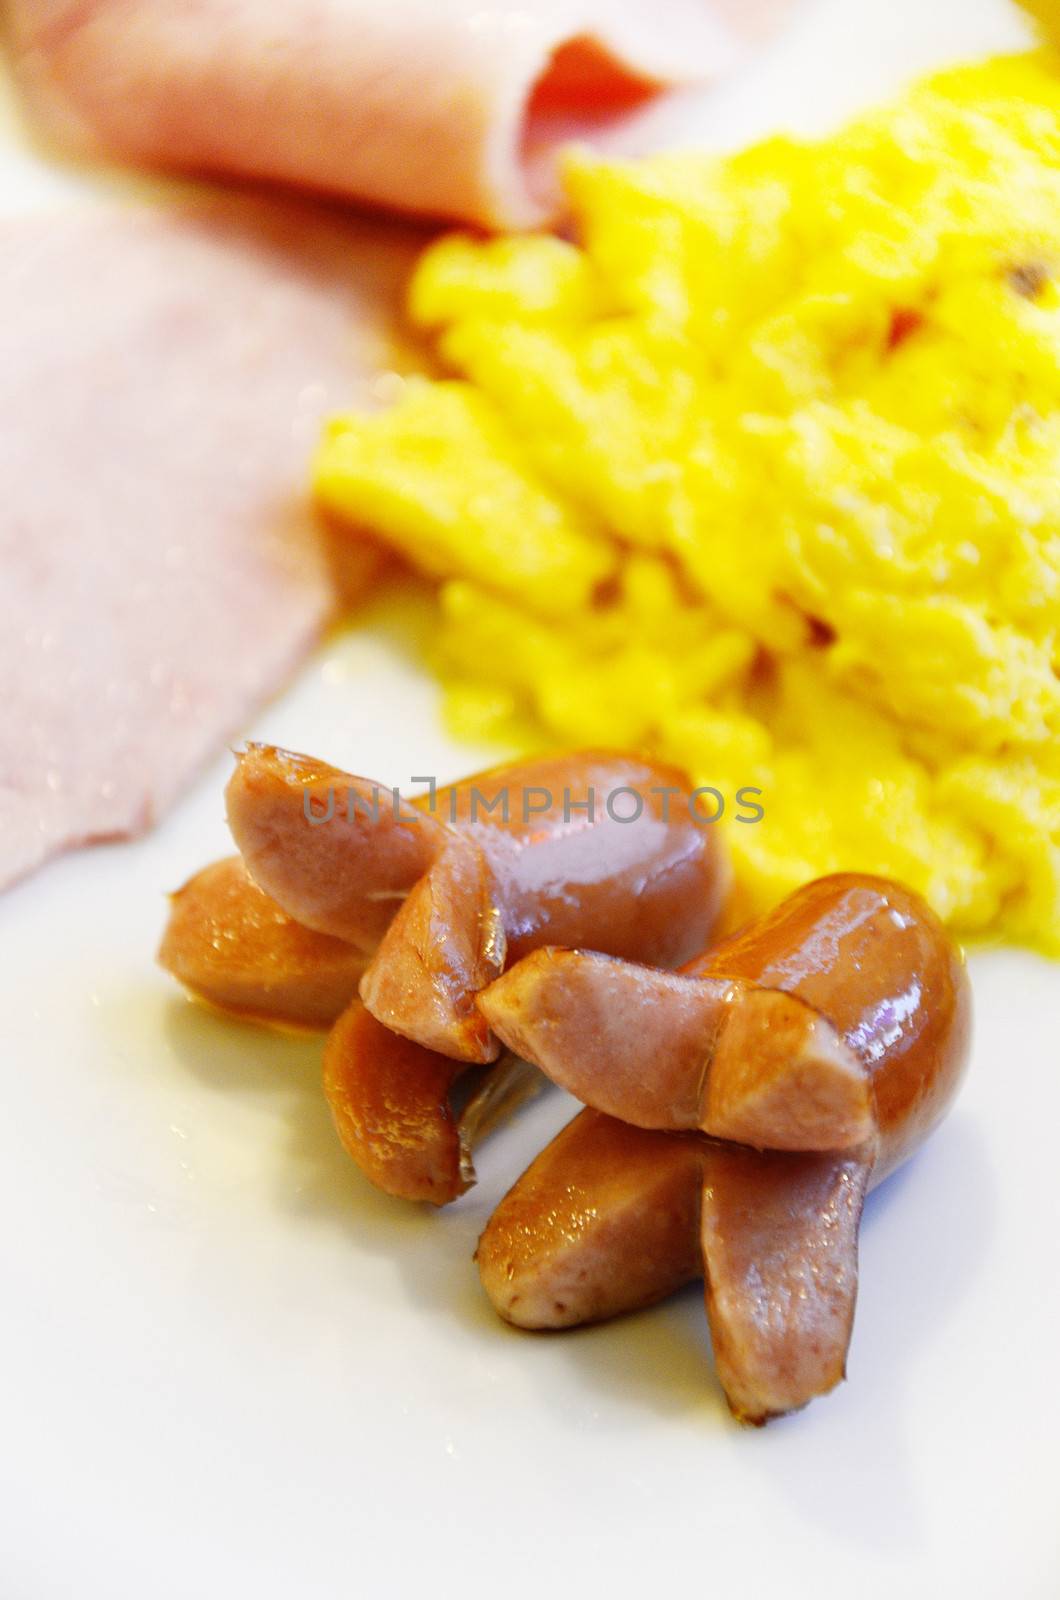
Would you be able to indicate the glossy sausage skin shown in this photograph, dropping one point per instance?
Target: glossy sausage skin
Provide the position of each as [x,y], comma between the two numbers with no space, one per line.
[724,1055]
[779,1239]
[506,861]
[344,876]
[396,1111]
[231,945]
[611,1218]
[540,858]
[409,1117]
[390,1102]
[604,1221]
[776,1231]
[446,943]
[648,889]
[872,957]
[841,1017]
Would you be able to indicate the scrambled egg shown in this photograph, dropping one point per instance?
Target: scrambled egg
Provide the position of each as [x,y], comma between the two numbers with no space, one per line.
[763,473]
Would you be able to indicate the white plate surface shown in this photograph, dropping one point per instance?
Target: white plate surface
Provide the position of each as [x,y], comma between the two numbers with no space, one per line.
[229,1368]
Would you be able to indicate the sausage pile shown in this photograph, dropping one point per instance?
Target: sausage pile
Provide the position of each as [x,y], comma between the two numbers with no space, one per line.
[741,1096]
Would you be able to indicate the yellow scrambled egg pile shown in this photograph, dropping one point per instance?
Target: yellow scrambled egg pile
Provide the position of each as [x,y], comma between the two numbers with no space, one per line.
[763,474]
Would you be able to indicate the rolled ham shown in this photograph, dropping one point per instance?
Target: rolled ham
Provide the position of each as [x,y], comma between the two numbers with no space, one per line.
[164,376]
[446,107]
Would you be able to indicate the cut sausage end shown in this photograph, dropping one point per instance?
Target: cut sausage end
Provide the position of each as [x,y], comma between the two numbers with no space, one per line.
[390,1103]
[781,1078]
[332,849]
[780,1256]
[410,1118]
[627,1040]
[605,1221]
[446,943]
[665,1050]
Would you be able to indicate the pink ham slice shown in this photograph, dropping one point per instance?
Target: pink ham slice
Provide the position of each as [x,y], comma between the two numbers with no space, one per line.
[163,379]
[444,107]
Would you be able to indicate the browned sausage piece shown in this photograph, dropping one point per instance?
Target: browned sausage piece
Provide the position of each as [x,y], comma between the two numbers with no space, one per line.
[780,1258]
[445,944]
[568,871]
[588,848]
[666,1050]
[871,956]
[331,849]
[778,1230]
[231,945]
[610,1218]
[605,1220]
[777,1037]
[396,1112]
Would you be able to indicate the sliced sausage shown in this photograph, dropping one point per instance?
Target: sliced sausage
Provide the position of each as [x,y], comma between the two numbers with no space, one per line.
[605,1220]
[397,1112]
[333,850]
[230,944]
[775,1231]
[776,1037]
[779,1237]
[446,943]
[588,848]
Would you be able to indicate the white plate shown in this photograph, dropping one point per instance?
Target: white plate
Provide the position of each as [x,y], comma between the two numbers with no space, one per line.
[230,1368]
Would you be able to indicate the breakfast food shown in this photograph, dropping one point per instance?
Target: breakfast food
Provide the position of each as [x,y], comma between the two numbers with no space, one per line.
[604,1221]
[332,849]
[806,398]
[420,903]
[839,1018]
[583,1234]
[583,848]
[165,370]
[410,1117]
[230,944]
[611,1218]
[779,1237]
[452,109]
[818,1046]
